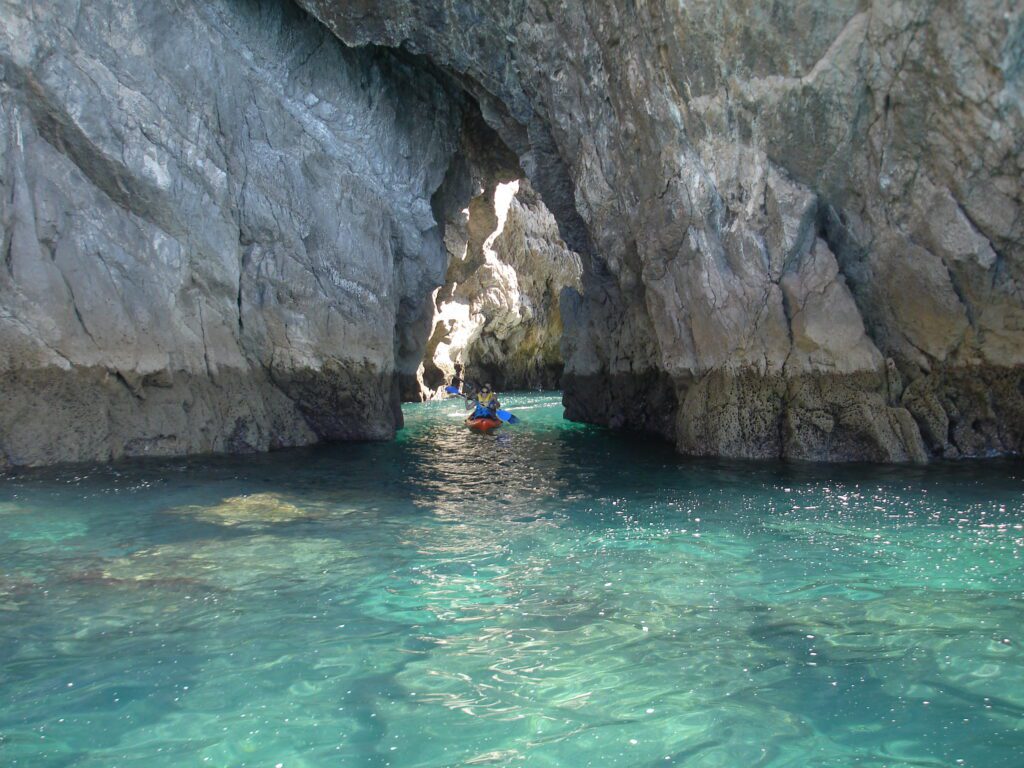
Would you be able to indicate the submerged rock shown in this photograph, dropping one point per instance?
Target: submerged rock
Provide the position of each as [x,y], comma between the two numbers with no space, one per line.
[250,509]
[236,563]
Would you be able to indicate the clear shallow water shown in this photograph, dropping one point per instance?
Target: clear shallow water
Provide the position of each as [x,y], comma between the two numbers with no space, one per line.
[551,596]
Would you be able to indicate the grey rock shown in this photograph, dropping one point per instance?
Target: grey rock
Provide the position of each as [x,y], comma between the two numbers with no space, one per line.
[769,203]
[216,227]
[221,230]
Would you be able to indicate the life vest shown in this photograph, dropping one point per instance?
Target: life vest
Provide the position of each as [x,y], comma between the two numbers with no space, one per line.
[485,406]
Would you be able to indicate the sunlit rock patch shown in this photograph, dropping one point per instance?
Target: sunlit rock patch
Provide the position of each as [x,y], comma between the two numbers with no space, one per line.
[498,315]
[248,510]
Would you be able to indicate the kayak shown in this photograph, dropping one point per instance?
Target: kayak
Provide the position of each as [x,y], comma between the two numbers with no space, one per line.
[486,424]
[483,425]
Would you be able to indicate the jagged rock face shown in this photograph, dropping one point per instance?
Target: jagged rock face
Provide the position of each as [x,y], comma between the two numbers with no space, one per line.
[214,218]
[800,223]
[497,316]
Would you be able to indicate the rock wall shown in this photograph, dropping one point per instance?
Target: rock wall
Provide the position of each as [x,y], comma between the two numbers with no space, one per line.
[498,313]
[216,225]
[800,223]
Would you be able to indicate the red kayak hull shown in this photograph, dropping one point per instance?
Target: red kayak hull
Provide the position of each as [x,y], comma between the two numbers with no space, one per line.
[483,425]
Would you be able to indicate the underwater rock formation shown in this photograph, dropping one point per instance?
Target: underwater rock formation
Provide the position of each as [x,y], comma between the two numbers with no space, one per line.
[800,223]
[216,225]
[254,509]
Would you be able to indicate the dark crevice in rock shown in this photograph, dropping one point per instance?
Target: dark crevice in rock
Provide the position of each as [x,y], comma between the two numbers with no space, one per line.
[961,294]
[634,402]
[852,259]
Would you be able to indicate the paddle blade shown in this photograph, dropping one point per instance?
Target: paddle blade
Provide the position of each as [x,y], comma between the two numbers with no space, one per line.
[509,417]
[452,390]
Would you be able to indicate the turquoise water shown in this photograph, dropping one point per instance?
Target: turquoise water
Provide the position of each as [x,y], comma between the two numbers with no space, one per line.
[549,596]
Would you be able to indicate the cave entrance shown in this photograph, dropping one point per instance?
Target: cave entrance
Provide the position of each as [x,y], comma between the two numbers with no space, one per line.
[497,317]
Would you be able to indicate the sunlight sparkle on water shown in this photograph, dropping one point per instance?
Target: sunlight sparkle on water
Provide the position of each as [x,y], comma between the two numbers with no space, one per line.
[551,595]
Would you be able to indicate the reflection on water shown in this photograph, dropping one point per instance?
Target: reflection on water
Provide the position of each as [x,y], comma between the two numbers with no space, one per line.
[547,596]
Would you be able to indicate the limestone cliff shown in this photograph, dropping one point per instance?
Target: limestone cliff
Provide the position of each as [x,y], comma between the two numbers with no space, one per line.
[216,224]
[800,223]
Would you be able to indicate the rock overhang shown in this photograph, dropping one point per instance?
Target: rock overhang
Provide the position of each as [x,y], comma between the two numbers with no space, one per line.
[799,232]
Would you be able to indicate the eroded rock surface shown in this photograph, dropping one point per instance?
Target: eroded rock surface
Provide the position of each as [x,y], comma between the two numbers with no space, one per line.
[800,223]
[498,314]
[214,218]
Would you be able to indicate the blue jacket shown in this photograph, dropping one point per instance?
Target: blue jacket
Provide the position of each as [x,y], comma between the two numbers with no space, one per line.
[480,412]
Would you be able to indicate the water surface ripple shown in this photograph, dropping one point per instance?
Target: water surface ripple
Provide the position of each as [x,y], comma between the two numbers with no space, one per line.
[550,596]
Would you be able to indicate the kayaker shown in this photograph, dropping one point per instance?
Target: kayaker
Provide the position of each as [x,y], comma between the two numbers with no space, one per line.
[487,404]
[457,381]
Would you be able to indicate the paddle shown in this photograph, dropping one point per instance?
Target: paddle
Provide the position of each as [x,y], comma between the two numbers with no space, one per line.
[502,414]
